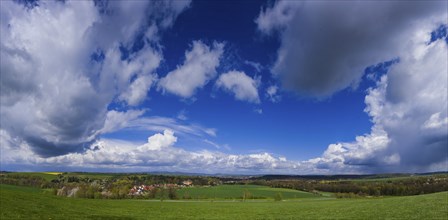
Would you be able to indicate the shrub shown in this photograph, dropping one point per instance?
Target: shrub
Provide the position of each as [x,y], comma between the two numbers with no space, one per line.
[172,193]
[278,196]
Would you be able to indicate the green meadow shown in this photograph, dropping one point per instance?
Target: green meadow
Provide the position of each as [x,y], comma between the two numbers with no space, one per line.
[19,202]
[238,192]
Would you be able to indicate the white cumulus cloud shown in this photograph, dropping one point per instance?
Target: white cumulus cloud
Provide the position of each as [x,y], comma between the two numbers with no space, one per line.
[159,141]
[408,107]
[242,86]
[62,65]
[197,70]
[158,153]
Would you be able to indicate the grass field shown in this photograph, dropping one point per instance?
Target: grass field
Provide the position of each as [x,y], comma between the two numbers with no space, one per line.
[29,203]
[237,191]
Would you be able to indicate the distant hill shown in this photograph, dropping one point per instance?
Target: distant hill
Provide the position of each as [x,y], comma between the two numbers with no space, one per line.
[342,176]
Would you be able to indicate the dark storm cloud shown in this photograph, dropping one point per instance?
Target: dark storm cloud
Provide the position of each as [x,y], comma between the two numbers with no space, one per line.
[49,149]
[327,45]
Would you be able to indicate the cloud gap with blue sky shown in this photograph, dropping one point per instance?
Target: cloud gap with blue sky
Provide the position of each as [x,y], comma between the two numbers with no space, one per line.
[292,87]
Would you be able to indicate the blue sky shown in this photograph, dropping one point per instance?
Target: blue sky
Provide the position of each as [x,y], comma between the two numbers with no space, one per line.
[224,87]
[298,126]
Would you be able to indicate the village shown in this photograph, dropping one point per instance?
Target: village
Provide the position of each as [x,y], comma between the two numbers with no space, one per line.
[126,186]
[145,189]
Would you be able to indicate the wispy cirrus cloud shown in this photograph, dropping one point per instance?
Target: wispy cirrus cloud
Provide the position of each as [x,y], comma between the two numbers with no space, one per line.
[272,93]
[159,124]
[217,146]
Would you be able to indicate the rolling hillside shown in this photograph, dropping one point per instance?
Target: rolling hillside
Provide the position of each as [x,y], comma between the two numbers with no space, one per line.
[30,203]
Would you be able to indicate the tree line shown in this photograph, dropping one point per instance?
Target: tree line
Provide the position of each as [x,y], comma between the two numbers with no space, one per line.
[165,186]
[360,187]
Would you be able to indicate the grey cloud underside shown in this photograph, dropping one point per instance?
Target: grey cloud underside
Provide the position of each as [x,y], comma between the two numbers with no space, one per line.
[53,95]
[325,46]
[55,149]
[425,79]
